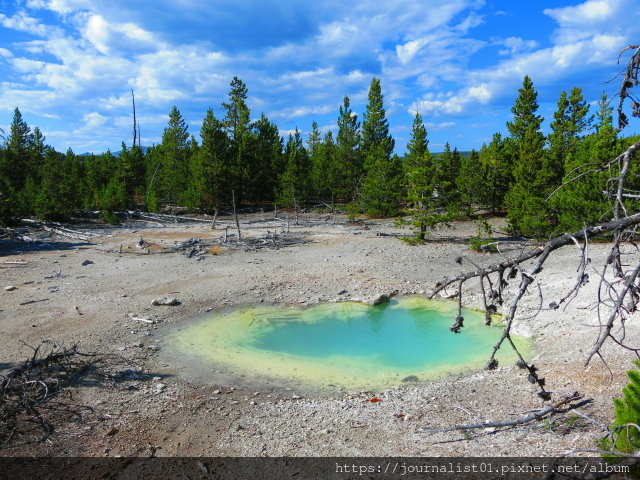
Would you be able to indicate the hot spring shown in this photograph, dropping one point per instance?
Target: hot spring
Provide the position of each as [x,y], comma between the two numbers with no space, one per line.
[344,345]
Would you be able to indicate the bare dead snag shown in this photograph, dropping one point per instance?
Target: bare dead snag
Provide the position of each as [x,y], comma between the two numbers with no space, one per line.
[235,214]
[618,293]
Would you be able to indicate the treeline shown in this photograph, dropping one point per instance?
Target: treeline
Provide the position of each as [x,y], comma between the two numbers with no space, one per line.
[250,162]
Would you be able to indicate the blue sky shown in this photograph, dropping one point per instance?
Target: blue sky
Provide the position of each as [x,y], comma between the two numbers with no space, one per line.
[69,65]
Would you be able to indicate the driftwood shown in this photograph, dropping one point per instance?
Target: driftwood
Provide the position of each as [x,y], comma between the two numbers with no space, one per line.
[535,415]
[166,217]
[66,232]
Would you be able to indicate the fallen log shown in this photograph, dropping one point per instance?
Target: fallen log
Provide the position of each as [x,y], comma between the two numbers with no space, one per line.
[536,415]
[164,216]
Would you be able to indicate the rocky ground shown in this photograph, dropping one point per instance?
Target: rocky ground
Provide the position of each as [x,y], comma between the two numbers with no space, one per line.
[98,294]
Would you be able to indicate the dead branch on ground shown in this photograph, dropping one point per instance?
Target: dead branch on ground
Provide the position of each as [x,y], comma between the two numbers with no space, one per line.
[535,415]
[29,393]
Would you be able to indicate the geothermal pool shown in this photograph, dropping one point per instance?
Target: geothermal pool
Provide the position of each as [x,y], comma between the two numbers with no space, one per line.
[345,345]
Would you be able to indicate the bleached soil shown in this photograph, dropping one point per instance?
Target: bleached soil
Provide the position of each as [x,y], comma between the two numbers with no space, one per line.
[93,305]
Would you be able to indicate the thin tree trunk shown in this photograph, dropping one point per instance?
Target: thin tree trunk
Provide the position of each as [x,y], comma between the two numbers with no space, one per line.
[235,214]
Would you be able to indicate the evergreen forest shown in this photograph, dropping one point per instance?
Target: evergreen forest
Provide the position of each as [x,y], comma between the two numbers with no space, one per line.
[545,184]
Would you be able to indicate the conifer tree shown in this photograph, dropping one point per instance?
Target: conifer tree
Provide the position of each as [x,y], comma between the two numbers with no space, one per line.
[581,201]
[470,181]
[174,159]
[570,121]
[419,180]
[347,169]
[526,208]
[382,184]
[237,123]
[322,158]
[294,183]
[58,194]
[447,168]
[208,188]
[19,166]
[314,147]
[266,153]
[497,167]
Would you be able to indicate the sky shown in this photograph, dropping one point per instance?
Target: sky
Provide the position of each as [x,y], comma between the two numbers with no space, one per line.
[70,65]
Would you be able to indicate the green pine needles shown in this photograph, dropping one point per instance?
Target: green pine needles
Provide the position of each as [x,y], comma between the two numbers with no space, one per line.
[625,436]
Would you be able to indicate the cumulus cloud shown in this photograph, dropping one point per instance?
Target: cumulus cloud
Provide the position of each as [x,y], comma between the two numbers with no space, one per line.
[590,18]
[298,60]
[23,23]
[516,45]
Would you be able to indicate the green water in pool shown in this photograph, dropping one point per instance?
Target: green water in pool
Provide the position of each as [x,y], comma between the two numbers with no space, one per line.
[345,344]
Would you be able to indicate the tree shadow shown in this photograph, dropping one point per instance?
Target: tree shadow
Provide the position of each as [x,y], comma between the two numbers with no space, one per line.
[18,247]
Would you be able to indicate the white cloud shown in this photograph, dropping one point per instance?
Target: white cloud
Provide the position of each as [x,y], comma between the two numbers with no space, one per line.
[107,37]
[301,111]
[516,45]
[23,23]
[587,19]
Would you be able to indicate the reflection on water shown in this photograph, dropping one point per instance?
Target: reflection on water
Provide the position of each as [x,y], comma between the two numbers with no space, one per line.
[346,344]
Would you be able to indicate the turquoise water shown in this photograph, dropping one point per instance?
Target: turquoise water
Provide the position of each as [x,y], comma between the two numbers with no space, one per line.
[342,344]
[389,335]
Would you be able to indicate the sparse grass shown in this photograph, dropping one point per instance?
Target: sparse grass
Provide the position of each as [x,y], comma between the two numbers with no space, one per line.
[412,240]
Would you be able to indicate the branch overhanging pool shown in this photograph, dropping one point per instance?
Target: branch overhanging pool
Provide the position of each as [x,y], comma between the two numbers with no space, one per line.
[344,345]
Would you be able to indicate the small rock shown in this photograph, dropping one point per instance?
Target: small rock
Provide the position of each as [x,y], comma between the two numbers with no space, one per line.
[86,262]
[10,288]
[167,301]
[380,299]
[217,392]
[156,379]
[410,378]
[296,397]
[342,292]
[160,387]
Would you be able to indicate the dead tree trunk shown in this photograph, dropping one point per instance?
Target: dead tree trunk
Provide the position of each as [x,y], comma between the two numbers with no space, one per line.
[235,213]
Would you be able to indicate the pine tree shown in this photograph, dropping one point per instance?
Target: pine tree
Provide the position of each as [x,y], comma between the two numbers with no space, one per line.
[52,200]
[266,152]
[382,184]
[626,437]
[322,157]
[131,174]
[581,201]
[497,166]
[208,189]
[470,181]
[447,168]
[237,124]
[314,147]
[526,208]
[570,121]
[420,180]
[294,183]
[347,169]
[19,166]
[172,175]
